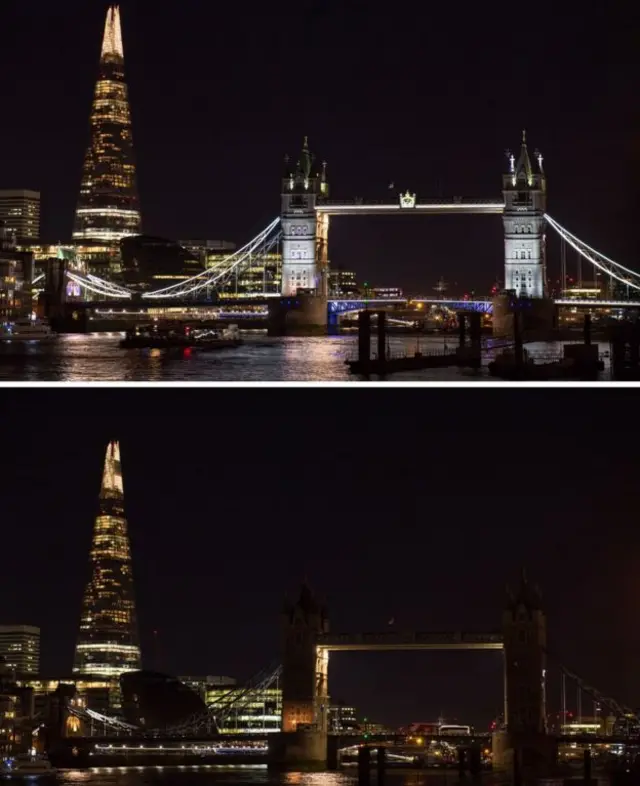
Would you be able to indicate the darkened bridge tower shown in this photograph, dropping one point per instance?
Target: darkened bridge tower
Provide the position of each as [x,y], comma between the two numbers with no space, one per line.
[303,678]
[303,740]
[525,640]
[524,629]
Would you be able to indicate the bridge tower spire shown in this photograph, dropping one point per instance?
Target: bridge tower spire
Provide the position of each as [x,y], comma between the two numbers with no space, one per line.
[525,197]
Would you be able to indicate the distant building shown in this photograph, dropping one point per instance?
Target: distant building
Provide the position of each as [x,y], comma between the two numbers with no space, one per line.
[152,263]
[342,719]
[342,283]
[20,213]
[16,276]
[256,713]
[20,648]
[203,684]
[264,275]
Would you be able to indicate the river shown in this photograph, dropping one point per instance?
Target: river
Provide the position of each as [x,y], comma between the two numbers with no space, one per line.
[99,358]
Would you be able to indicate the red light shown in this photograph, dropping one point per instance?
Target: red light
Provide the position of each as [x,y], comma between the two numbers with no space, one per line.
[187,352]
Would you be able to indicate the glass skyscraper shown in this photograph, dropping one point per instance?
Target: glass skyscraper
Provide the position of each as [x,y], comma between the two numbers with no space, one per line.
[108,208]
[108,641]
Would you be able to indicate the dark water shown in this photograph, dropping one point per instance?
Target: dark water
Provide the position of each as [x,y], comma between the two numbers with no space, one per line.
[98,358]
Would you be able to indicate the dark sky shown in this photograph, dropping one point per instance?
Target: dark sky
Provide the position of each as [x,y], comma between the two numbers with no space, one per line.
[425,95]
[419,505]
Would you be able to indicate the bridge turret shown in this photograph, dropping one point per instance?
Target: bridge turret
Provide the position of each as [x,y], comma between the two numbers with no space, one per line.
[525,639]
[302,266]
[303,621]
[524,190]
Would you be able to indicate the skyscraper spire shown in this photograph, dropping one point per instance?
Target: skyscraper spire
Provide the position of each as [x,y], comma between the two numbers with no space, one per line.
[112,41]
[112,474]
[108,640]
[108,207]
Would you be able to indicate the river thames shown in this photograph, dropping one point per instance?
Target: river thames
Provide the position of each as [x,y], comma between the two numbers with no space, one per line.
[99,358]
[251,776]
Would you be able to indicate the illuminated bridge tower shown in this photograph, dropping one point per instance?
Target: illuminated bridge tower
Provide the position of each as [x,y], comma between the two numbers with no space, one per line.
[525,639]
[304,244]
[108,207]
[525,197]
[524,189]
[303,740]
[108,640]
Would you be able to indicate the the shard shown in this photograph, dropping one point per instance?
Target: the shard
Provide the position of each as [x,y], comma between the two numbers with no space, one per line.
[108,207]
[108,643]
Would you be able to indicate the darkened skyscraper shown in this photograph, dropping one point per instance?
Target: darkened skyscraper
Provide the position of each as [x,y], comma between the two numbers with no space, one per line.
[108,641]
[108,208]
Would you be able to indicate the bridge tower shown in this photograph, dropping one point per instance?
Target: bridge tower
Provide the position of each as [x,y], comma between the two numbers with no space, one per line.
[525,638]
[303,740]
[304,245]
[524,188]
[302,265]
[525,197]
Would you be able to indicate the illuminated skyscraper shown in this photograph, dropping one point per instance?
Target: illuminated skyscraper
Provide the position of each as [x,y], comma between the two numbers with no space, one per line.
[108,208]
[108,641]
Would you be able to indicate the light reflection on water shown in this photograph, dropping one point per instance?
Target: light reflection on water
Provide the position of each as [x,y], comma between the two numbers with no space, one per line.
[98,358]
[248,776]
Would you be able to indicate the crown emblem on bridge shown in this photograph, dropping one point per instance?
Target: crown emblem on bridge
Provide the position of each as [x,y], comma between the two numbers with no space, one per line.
[407,200]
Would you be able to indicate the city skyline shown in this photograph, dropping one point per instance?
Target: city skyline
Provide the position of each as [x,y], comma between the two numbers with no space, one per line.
[193,186]
[212,562]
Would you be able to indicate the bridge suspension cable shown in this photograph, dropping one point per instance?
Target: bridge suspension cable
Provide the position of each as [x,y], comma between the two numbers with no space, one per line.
[98,286]
[234,263]
[598,260]
[232,701]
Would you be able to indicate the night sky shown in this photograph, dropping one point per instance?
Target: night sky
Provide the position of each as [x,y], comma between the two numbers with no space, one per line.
[428,96]
[419,505]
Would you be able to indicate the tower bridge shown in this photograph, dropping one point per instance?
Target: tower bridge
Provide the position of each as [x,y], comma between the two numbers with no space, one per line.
[302,231]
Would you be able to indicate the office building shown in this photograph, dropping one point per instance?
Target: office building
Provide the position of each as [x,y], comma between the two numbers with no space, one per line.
[20,648]
[108,641]
[258,712]
[20,214]
[108,207]
[342,283]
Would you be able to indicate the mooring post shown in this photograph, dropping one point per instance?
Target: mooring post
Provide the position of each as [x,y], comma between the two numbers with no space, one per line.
[364,337]
[462,762]
[587,766]
[382,336]
[517,767]
[587,329]
[382,763]
[364,761]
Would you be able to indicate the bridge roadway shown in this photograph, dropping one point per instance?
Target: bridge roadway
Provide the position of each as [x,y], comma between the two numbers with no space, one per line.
[409,204]
[409,640]
[166,743]
[335,306]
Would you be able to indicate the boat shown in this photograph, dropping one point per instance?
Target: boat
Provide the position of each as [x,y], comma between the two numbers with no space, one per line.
[177,335]
[29,765]
[28,330]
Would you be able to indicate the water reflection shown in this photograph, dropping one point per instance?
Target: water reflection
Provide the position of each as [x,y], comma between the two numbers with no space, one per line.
[98,358]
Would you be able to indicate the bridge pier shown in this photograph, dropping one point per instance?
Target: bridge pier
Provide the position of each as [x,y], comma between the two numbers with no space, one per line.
[298,315]
[536,317]
[302,749]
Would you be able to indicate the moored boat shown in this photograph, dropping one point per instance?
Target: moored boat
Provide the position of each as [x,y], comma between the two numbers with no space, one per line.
[28,330]
[181,336]
[27,766]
